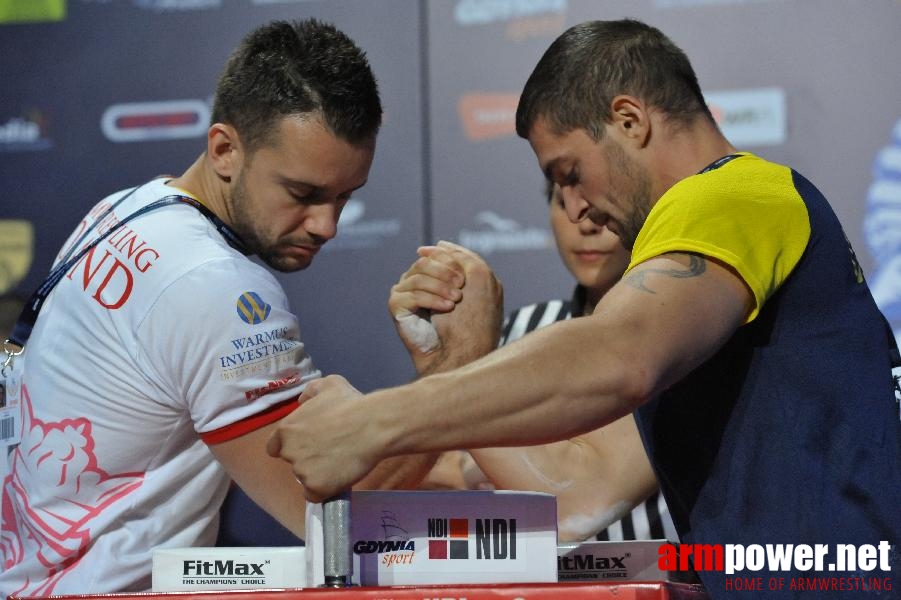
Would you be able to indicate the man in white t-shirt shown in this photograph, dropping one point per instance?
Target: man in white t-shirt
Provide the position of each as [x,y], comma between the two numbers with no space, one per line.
[163,357]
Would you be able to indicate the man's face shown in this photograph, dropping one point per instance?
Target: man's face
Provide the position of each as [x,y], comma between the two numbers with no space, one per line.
[287,197]
[591,252]
[597,180]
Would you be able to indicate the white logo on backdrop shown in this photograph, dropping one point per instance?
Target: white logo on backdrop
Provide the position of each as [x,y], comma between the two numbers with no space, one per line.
[356,232]
[481,12]
[175,5]
[750,117]
[163,120]
[882,229]
[501,233]
[686,3]
[22,134]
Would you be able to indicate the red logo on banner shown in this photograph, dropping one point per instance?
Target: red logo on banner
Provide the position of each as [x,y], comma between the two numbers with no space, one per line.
[487,116]
[158,120]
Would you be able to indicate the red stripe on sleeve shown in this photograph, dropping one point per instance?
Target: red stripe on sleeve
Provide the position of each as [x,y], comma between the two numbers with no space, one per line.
[251,423]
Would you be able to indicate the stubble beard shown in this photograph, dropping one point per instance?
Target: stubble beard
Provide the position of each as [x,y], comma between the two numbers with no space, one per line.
[243,224]
[634,190]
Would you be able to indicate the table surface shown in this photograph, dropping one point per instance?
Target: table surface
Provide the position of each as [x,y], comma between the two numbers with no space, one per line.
[526,591]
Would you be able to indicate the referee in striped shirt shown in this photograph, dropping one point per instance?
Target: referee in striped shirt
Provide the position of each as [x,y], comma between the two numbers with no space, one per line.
[595,498]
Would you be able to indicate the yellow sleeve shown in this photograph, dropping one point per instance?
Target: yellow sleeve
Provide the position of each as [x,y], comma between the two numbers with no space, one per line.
[746,214]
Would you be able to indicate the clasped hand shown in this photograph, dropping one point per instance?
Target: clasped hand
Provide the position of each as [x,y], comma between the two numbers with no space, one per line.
[334,439]
[447,308]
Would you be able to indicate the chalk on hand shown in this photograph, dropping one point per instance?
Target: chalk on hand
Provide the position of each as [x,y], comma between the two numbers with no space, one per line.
[419,331]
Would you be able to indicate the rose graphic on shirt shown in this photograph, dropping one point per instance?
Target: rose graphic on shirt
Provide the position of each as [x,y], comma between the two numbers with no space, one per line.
[54,491]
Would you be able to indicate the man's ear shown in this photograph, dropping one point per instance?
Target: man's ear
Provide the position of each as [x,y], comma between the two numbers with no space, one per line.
[630,119]
[223,147]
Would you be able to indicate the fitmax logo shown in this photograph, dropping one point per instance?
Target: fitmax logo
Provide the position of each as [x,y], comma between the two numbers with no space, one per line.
[220,567]
[589,562]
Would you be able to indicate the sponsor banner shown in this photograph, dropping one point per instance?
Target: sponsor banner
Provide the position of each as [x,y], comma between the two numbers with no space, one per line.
[750,117]
[524,18]
[358,233]
[264,2]
[26,133]
[502,234]
[487,116]
[690,3]
[481,12]
[162,120]
[177,5]
[32,11]
[882,231]
[16,251]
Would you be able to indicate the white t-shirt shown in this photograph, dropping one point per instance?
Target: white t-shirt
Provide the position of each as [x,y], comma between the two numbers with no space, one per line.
[161,340]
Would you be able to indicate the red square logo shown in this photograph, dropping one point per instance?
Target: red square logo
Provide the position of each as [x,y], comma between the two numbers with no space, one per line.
[459,528]
[437,549]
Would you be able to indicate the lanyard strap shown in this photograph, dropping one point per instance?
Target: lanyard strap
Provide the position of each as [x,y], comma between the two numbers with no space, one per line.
[29,316]
[719,163]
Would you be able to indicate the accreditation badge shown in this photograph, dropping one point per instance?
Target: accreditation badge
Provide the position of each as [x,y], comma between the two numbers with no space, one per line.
[10,412]
[10,403]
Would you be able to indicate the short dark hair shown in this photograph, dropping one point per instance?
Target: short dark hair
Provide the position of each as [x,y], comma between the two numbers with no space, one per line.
[589,64]
[295,68]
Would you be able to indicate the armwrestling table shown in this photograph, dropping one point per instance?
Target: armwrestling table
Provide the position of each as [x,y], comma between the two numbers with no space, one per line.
[526,591]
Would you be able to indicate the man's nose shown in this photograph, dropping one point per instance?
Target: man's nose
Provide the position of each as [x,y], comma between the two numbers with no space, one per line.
[576,207]
[322,220]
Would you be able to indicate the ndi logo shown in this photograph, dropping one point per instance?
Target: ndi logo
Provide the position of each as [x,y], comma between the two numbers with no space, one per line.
[454,542]
[495,539]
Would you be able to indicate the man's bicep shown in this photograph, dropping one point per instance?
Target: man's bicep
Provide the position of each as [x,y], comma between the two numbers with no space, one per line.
[674,311]
[268,481]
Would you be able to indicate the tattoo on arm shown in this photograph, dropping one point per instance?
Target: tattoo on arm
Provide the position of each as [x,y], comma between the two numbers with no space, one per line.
[696,266]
